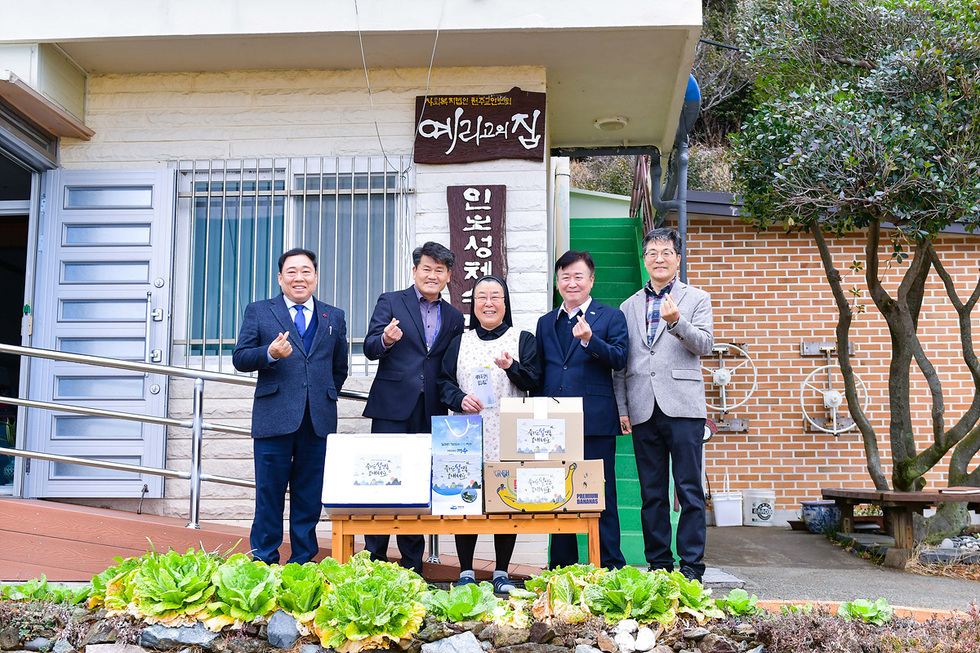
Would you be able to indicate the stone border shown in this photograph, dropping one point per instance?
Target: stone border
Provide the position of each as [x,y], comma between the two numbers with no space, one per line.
[919,614]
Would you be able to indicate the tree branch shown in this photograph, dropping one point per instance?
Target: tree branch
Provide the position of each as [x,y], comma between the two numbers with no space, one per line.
[845,317]
[856,63]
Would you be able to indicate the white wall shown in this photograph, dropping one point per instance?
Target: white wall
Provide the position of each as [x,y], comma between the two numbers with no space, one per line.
[152,120]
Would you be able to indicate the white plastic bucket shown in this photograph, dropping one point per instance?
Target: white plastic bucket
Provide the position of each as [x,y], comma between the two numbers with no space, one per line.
[727,507]
[759,507]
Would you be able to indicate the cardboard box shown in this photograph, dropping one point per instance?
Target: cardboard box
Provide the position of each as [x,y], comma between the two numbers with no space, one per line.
[541,428]
[378,472]
[544,486]
[457,465]
[457,485]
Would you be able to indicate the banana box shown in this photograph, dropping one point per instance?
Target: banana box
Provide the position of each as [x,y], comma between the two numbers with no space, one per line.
[544,486]
[541,428]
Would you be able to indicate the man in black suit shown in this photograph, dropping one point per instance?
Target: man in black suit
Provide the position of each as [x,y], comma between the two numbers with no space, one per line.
[408,335]
[580,343]
[298,345]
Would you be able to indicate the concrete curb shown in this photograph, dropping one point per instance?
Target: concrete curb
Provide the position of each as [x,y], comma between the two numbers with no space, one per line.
[919,614]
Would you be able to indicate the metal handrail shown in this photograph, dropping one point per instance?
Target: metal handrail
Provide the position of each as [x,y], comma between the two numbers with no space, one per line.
[196,424]
[135,417]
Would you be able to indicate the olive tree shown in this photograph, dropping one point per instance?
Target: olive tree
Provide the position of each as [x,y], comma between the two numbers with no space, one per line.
[866,121]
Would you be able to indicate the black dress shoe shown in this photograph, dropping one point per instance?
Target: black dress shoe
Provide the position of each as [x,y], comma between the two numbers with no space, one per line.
[690,574]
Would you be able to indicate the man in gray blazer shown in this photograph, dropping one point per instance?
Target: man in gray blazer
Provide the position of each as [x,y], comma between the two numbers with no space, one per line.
[660,395]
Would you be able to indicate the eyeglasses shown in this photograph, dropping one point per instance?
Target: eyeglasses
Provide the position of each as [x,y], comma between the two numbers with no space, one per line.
[654,254]
[495,298]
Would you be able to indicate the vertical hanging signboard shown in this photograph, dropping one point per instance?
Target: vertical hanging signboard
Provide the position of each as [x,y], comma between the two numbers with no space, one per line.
[476,236]
[468,128]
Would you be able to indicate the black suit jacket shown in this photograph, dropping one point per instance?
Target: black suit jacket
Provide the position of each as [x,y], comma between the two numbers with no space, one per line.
[407,368]
[586,371]
[287,385]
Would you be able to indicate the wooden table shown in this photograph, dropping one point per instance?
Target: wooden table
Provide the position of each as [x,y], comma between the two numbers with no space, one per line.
[898,507]
[345,527]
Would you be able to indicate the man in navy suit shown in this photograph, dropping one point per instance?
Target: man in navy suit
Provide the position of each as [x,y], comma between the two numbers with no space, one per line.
[408,335]
[299,347]
[580,343]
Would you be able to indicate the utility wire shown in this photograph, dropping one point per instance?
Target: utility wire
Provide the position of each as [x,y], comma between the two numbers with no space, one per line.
[367,79]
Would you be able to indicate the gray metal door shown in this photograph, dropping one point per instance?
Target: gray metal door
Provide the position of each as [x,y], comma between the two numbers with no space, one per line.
[103,283]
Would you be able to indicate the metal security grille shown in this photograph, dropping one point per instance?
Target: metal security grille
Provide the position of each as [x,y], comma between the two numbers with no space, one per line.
[234,219]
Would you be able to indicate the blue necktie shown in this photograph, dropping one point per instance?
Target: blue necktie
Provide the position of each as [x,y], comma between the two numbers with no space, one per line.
[300,320]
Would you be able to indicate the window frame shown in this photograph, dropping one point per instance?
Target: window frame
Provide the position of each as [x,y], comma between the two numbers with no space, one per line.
[289,179]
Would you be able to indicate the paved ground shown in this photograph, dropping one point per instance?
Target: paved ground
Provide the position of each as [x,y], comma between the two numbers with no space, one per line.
[778,563]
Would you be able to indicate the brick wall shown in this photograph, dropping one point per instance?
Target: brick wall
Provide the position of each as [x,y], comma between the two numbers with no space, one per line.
[769,291]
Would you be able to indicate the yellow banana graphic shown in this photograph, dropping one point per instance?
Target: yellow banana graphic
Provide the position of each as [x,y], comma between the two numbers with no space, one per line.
[511,501]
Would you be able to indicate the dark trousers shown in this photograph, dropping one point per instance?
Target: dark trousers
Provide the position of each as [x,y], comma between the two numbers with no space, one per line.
[412,547]
[658,442]
[564,548]
[503,548]
[294,460]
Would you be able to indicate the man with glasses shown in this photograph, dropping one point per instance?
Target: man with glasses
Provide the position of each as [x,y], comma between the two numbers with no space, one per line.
[661,401]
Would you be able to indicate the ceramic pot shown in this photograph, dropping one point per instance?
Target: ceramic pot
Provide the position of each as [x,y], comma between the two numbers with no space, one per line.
[821,516]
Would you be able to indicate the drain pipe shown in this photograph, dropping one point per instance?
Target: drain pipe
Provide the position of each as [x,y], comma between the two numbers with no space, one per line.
[677,182]
[563,176]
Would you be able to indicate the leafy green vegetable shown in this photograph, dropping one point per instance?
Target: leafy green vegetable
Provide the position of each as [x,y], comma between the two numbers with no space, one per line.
[245,589]
[872,612]
[114,587]
[171,585]
[587,573]
[562,592]
[301,590]
[694,599]
[463,603]
[368,605]
[738,602]
[512,613]
[796,609]
[629,593]
[38,589]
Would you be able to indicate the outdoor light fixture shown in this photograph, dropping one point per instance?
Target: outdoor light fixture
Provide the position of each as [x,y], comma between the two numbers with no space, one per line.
[611,123]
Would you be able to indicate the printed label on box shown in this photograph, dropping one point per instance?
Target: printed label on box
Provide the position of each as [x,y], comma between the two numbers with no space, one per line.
[374,469]
[545,436]
[456,475]
[541,485]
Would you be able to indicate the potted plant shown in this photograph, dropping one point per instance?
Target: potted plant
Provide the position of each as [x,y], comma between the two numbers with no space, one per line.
[821,515]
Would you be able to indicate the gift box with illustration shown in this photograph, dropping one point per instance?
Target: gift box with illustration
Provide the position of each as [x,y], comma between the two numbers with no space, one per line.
[541,428]
[365,472]
[457,465]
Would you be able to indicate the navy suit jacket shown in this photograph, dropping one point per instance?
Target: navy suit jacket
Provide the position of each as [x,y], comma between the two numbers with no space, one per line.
[407,367]
[586,371]
[285,387]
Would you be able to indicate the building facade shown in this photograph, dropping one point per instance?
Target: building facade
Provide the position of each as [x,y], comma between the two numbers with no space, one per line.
[154,165]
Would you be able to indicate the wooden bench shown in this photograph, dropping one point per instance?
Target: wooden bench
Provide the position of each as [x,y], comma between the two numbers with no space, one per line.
[345,527]
[898,507]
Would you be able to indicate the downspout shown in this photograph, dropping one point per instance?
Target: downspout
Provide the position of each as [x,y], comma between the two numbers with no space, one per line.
[676,184]
[562,205]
